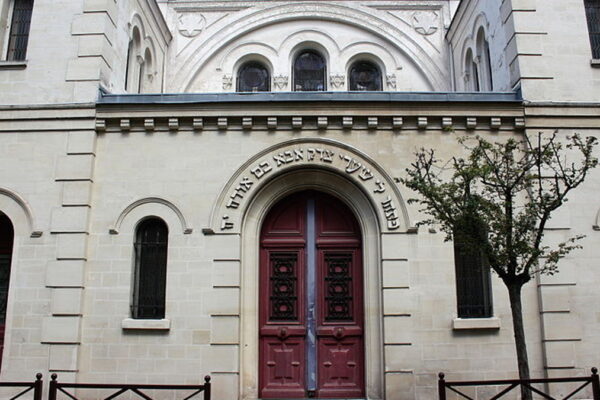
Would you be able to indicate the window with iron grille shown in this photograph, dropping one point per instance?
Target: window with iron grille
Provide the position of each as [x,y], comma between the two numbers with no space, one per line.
[592,11]
[365,76]
[19,30]
[150,279]
[253,77]
[473,281]
[309,72]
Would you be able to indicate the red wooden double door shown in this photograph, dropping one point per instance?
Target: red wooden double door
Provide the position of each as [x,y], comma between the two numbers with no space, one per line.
[311,300]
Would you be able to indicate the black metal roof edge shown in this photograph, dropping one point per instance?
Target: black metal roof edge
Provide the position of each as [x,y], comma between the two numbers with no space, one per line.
[202,98]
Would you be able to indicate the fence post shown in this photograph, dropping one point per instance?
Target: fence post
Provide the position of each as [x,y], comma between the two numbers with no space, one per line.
[38,387]
[441,386]
[52,391]
[206,388]
[595,384]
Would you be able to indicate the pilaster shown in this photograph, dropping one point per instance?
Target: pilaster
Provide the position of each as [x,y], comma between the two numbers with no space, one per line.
[65,274]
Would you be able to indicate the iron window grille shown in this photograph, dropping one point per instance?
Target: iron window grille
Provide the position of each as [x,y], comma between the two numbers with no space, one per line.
[592,11]
[19,30]
[473,282]
[253,77]
[309,72]
[150,270]
[365,76]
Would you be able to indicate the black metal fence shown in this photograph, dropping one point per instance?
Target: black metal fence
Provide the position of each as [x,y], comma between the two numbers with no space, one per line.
[119,389]
[26,387]
[510,384]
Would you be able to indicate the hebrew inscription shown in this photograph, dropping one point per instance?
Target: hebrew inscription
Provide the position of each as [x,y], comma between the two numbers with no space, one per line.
[360,170]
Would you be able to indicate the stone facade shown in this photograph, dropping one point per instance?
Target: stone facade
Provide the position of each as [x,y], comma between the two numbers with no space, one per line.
[129,110]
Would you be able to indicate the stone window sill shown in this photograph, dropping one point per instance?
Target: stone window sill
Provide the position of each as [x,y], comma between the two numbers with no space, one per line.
[146,324]
[595,63]
[476,323]
[13,65]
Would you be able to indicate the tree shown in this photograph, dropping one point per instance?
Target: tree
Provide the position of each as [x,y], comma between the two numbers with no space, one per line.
[498,200]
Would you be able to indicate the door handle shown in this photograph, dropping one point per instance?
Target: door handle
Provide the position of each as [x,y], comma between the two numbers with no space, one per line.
[339,333]
[283,333]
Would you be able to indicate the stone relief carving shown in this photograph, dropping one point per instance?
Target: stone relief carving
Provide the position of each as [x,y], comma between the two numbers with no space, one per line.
[191,24]
[391,81]
[337,81]
[280,81]
[227,82]
[425,22]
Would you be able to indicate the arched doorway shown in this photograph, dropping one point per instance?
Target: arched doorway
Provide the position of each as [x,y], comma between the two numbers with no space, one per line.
[311,320]
[6,249]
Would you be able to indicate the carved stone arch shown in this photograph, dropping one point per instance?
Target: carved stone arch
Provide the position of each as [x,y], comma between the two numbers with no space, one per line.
[480,22]
[136,22]
[247,51]
[372,57]
[19,212]
[309,39]
[335,184]
[355,166]
[147,207]
[371,52]
[398,35]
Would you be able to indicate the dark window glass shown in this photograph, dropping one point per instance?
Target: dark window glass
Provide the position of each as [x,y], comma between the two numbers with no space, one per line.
[476,86]
[489,66]
[592,11]
[6,247]
[365,76]
[150,279]
[473,281]
[19,30]
[309,72]
[253,77]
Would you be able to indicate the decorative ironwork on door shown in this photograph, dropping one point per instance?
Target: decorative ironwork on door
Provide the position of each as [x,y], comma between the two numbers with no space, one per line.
[311,322]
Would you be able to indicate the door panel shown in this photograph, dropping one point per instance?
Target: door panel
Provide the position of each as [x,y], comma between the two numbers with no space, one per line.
[328,253]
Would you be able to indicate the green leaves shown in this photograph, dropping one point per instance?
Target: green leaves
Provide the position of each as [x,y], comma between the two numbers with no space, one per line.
[500,196]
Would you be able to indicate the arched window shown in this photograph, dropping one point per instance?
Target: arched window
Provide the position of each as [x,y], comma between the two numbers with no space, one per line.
[365,76]
[485,62]
[592,12]
[473,281]
[6,248]
[253,77]
[18,28]
[471,73]
[134,68]
[150,276]
[309,72]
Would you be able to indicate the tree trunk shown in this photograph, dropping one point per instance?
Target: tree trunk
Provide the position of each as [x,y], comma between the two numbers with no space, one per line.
[514,292]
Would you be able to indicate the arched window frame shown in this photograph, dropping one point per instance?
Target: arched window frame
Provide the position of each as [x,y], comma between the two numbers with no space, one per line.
[473,275]
[135,62]
[248,64]
[295,84]
[375,66]
[150,269]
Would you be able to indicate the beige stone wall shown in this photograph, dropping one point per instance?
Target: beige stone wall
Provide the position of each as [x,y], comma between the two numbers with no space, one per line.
[204,290]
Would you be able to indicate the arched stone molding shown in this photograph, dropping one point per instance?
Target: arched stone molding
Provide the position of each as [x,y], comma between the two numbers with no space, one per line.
[374,56]
[247,51]
[19,212]
[269,194]
[400,37]
[316,153]
[309,39]
[147,207]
